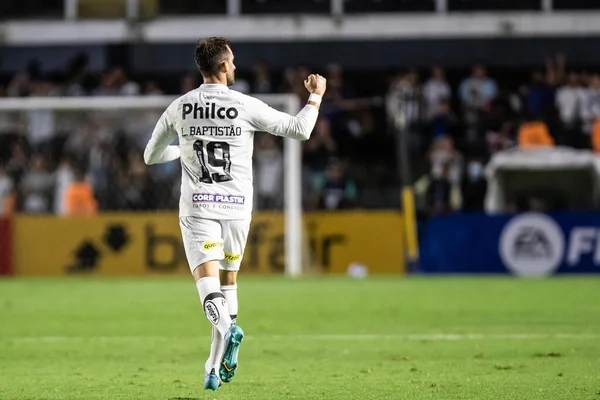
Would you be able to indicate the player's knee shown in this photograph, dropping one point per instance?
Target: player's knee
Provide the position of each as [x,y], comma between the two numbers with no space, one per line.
[209,268]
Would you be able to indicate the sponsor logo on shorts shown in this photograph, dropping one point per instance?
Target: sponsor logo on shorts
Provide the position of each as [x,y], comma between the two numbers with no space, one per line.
[212,312]
[212,245]
[217,198]
[232,257]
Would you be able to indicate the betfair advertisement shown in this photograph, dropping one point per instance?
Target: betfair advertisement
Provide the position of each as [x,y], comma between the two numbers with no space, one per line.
[141,244]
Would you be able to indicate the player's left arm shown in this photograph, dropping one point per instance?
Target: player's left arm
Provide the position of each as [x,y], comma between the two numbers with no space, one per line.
[159,149]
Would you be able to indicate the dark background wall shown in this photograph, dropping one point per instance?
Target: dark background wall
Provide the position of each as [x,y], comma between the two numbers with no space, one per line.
[377,55]
[356,55]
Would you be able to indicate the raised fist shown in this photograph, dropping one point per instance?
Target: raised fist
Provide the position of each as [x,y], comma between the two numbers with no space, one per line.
[316,84]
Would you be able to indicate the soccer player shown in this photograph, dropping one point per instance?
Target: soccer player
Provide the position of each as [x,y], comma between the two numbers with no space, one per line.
[215,127]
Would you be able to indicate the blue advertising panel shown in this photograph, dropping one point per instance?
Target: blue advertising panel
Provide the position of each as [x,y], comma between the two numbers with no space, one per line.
[528,244]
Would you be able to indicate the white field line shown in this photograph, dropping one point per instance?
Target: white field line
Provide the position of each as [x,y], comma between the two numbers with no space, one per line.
[433,337]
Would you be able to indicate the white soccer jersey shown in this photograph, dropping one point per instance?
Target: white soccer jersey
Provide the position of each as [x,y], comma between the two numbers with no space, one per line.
[216,126]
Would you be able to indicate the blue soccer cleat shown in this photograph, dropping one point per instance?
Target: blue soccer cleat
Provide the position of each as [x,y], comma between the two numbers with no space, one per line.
[211,380]
[229,363]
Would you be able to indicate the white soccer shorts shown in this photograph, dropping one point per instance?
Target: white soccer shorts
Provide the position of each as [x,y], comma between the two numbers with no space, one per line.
[210,239]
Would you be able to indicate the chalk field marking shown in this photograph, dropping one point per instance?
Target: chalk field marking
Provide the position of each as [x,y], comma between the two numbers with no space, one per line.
[433,337]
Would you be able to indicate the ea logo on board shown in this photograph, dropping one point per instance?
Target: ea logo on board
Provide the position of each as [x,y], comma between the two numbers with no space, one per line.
[532,245]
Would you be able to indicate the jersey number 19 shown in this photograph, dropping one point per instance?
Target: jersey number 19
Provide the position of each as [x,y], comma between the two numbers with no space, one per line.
[210,150]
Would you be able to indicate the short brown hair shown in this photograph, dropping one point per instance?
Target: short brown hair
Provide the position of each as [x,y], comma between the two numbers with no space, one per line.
[210,53]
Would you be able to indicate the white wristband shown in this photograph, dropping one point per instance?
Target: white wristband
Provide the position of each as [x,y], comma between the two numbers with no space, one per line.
[317,98]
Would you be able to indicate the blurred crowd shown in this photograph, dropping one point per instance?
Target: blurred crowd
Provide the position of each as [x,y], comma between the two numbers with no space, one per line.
[460,128]
[83,161]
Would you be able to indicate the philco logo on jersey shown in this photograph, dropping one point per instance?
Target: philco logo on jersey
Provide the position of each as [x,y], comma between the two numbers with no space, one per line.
[217,198]
[210,111]
[212,245]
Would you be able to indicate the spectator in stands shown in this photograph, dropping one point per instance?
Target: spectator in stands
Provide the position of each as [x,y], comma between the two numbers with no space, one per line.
[116,83]
[436,93]
[360,138]
[17,163]
[241,85]
[404,102]
[188,83]
[36,186]
[320,148]
[368,145]
[335,190]
[569,101]
[74,89]
[115,195]
[335,83]
[443,152]
[541,94]
[474,186]
[293,84]
[40,122]
[404,99]
[269,173]
[262,78]
[446,165]
[79,197]
[6,191]
[440,191]
[500,139]
[590,103]
[443,122]
[140,187]
[477,90]
[19,86]
[107,85]
[475,93]
[79,78]
[64,177]
[288,81]
[124,86]
[151,88]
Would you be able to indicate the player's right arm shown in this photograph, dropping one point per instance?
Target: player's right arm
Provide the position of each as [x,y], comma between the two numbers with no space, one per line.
[159,149]
[300,126]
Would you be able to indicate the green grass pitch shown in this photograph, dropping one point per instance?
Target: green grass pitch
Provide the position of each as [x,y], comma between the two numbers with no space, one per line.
[315,338]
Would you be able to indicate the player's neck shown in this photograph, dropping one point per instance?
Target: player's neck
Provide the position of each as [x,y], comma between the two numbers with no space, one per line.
[215,80]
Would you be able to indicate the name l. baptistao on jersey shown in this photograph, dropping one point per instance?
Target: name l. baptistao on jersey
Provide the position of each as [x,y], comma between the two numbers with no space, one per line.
[216,126]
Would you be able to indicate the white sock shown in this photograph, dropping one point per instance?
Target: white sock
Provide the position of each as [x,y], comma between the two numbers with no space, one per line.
[214,303]
[217,347]
[230,293]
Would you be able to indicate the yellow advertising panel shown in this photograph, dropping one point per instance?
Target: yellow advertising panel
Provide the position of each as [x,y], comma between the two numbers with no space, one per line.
[150,243]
